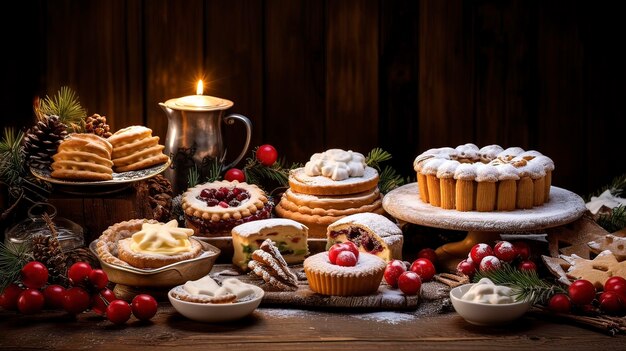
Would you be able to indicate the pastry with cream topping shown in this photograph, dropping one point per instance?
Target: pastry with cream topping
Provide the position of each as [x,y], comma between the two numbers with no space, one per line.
[213,209]
[333,184]
[491,178]
[207,290]
[147,244]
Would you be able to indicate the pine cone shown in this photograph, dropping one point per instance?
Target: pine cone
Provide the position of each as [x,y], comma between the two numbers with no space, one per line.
[82,254]
[47,250]
[42,140]
[97,125]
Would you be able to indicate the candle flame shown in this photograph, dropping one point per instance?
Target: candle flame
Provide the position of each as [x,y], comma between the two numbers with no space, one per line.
[200,88]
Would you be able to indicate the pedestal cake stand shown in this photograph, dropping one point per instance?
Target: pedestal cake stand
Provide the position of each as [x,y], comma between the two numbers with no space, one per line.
[405,204]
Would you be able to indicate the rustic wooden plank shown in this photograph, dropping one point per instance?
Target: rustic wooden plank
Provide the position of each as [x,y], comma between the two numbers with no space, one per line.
[352,75]
[233,65]
[295,77]
[446,87]
[506,77]
[399,72]
[560,112]
[92,47]
[173,55]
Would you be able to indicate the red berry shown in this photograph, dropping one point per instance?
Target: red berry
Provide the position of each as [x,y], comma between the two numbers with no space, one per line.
[352,248]
[527,266]
[9,296]
[559,303]
[98,278]
[223,204]
[346,259]
[34,275]
[428,253]
[335,250]
[617,284]
[425,268]
[79,273]
[490,263]
[54,296]
[235,174]
[581,292]
[505,251]
[118,311]
[266,154]
[30,301]
[522,249]
[612,302]
[392,271]
[480,251]
[76,300]
[409,283]
[144,307]
[466,267]
[100,300]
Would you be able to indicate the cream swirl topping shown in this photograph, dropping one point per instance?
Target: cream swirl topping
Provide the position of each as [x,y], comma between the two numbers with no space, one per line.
[336,164]
[163,239]
[485,291]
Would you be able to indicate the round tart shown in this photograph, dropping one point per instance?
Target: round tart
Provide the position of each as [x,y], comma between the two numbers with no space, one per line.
[329,279]
[302,183]
[213,209]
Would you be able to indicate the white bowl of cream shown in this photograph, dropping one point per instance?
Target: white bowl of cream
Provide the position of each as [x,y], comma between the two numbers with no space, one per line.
[485,303]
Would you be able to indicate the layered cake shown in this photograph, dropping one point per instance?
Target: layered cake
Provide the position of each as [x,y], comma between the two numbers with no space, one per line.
[333,184]
[213,209]
[370,232]
[327,278]
[290,238]
[467,178]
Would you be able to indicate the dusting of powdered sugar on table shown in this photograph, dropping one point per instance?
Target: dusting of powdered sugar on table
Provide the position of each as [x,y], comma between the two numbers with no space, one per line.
[564,207]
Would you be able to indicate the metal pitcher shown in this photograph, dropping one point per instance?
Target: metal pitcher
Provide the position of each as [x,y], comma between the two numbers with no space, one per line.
[194,136]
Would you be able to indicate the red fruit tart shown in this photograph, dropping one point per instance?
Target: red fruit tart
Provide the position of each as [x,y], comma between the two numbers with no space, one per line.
[213,209]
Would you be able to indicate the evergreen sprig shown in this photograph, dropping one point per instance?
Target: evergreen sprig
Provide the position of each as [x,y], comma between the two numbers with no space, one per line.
[11,157]
[64,104]
[193,176]
[12,258]
[256,173]
[377,156]
[215,170]
[617,187]
[525,284]
[389,179]
[613,221]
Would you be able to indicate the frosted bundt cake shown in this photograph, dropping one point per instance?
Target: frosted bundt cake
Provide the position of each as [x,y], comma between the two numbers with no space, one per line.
[467,178]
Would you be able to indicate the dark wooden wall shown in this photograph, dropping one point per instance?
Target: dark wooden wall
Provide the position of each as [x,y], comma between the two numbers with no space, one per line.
[404,75]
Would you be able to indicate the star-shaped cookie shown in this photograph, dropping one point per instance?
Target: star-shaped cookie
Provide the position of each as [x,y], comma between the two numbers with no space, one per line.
[598,270]
[157,235]
[573,238]
[615,244]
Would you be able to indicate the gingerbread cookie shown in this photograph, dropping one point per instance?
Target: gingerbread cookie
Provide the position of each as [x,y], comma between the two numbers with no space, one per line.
[598,270]
[615,244]
[574,237]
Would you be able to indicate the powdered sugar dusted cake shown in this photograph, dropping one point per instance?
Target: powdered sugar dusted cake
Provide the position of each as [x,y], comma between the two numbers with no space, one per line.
[468,178]
[330,279]
[371,232]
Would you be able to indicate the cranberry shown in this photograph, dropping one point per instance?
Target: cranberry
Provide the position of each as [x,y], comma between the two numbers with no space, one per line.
[212,202]
[428,253]
[221,193]
[78,273]
[98,278]
[235,174]
[425,268]
[334,251]
[559,303]
[233,203]
[144,307]
[480,251]
[266,154]
[490,263]
[205,193]
[581,292]
[223,204]
[346,259]
[118,311]
[523,250]
[527,266]
[410,283]
[466,267]
[9,296]
[392,272]
[34,275]
[100,300]
[611,302]
[353,248]
[76,300]
[30,301]
[242,197]
[616,284]
[236,191]
[54,296]
[505,251]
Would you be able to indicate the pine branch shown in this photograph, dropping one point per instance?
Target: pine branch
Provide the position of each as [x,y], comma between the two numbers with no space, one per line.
[377,156]
[193,177]
[64,104]
[12,258]
[525,284]
[215,170]
[389,180]
[614,221]
[11,157]
[617,187]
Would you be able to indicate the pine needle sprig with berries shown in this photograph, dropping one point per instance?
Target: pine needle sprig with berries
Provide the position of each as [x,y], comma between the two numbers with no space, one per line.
[526,285]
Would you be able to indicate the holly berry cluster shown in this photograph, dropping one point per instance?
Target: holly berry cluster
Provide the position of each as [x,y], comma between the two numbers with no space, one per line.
[265,155]
[482,257]
[88,290]
[582,294]
[409,278]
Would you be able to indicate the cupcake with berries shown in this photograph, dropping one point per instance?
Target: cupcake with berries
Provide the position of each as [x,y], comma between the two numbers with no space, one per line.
[213,209]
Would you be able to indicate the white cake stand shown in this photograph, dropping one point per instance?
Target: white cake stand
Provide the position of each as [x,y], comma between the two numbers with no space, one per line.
[405,204]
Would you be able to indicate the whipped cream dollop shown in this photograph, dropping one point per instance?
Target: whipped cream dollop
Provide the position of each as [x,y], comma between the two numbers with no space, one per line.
[159,238]
[336,164]
[485,291]
[209,287]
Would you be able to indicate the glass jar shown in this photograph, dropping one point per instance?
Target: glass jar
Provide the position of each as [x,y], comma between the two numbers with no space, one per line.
[70,234]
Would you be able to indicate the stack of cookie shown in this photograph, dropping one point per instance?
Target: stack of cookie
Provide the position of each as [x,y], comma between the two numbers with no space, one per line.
[83,157]
[269,264]
[319,200]
[135,148]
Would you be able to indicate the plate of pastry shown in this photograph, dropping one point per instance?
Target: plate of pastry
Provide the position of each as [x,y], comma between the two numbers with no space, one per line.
[147,253]
[129,155]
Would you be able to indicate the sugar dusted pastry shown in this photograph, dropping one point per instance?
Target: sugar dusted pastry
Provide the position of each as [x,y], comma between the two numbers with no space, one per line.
[268,263]
[371,232]
[135,148]
[83,157]
[467,178]
[207,290]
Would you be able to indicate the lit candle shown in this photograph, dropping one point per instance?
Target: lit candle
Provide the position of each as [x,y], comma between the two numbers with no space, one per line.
[199,102]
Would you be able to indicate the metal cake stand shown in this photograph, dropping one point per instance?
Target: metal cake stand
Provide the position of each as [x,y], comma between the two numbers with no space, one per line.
[405,205]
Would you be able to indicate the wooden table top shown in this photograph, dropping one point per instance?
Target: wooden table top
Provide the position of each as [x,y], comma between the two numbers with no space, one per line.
[293,329]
